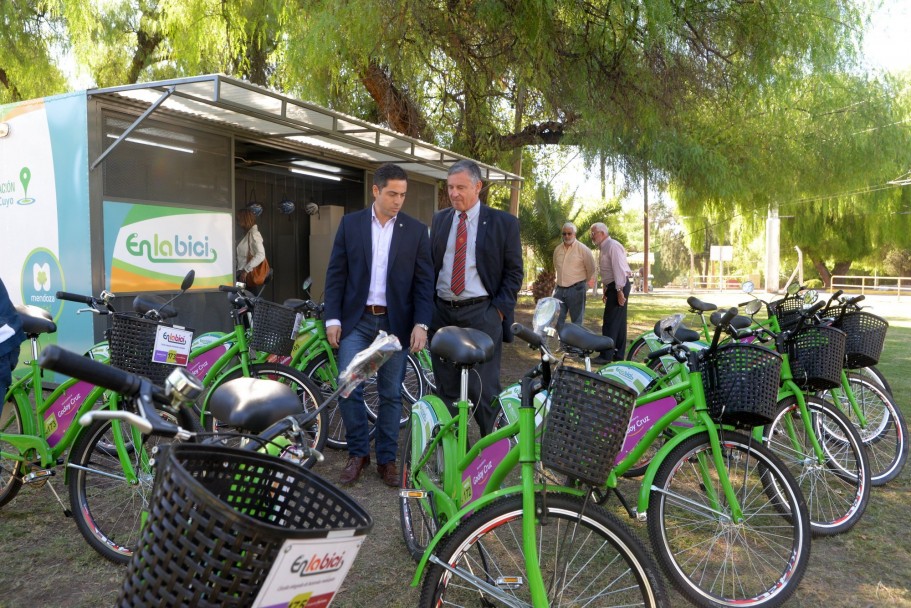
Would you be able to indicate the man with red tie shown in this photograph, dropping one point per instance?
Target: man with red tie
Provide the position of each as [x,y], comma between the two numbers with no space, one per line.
[477,261]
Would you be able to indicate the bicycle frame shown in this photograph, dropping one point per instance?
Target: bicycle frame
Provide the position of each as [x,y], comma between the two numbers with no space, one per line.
[456,499]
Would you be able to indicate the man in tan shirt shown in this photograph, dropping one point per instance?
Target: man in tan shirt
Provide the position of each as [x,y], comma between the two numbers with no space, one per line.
[575,265]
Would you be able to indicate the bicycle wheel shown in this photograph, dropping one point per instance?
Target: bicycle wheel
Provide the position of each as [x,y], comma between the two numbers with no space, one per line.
[418,523]
[310,396]
[711,559]
[412,390]
[884,436]
[638,351]
[873,374]
[107,509]
[319,370]
[10,471]
[836,491]
[587,558]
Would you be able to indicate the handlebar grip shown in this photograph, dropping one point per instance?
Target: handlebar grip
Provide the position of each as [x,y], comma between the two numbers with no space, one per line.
[814,309]
[229,288]
[659,353]
[526,334]
[837,294]
[70,364]
[74,297]
[729,314]
[855,299]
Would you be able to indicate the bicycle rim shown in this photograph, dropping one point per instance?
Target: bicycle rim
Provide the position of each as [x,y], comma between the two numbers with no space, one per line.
[884,434]
[836,490]
[107,509]
[589,559]
[418,524]
[711,559]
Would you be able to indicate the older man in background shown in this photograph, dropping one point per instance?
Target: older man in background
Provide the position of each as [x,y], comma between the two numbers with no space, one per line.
[574,265]
[615,283]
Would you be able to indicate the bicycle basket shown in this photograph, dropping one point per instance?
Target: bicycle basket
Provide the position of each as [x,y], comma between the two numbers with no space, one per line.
[741,383]
[272,327]
[132,343]
[218,518]
[817,355]
[866,334]
[788,311]
[588,419]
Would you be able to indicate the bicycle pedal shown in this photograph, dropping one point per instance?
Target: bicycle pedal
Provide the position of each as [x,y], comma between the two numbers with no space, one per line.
[510,583]
[38,477]
[412,494]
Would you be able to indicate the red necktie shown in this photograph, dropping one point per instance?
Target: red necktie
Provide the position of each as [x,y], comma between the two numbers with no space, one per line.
[458,263]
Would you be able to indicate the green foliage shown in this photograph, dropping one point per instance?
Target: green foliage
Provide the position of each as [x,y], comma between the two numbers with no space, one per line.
[813,284]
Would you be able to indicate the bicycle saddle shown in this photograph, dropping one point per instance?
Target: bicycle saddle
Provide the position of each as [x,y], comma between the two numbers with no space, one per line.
[253,404]
[584,339]
[35,320]
[682,333]
[738,322]
[697,304]
[462,345]
[146,303]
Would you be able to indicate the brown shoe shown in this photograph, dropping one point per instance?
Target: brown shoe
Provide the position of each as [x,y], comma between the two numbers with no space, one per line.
[389,474]
[353,469]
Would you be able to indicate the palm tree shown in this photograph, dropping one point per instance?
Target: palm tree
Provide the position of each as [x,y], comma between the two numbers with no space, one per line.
[541,220]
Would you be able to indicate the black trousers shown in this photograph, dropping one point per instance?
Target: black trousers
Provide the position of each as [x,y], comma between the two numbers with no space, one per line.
[483,379]
[613,323]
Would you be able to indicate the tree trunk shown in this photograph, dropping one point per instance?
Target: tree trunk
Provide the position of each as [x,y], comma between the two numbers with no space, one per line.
[839,268]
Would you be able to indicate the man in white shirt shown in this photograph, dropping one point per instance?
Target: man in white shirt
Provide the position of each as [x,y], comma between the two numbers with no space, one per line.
[574,265]
[380,278]
[615,283]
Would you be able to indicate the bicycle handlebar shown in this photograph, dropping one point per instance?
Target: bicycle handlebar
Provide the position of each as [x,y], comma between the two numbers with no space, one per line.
[120,381]
[526,334]
[75,297]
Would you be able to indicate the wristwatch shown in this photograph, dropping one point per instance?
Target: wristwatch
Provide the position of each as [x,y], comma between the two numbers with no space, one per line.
[422,326]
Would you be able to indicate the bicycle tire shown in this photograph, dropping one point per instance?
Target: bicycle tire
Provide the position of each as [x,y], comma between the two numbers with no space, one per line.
[415,514]
[588,557]
[107,509]
[310,396]
[412,390]
[837,492]
[885,436]
[698,556]
[10,469]
[872,373]
[638,351]
[320,372]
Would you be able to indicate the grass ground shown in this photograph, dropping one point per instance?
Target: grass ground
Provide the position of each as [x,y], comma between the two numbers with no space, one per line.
[45,563]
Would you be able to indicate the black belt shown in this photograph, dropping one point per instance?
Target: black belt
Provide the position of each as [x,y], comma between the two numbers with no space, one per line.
[573,285]
[466,302]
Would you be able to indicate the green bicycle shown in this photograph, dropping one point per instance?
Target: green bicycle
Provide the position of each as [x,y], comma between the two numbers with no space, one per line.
[498,540]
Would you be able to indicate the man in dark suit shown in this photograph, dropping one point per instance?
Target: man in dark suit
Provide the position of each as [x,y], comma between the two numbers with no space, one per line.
[379,279]
[477,263]
[10,337]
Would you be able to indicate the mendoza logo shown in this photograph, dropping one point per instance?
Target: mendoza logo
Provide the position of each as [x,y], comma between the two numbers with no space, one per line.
[307,566]
[165,249]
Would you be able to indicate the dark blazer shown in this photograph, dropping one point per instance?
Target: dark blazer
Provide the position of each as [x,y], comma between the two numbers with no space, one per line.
[498,252]
[9,317]
[409,279]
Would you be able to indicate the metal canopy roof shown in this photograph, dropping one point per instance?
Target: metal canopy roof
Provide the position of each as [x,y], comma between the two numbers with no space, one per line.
[267,114]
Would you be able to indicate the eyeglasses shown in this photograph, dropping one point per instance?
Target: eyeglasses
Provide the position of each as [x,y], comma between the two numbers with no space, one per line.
[569,233]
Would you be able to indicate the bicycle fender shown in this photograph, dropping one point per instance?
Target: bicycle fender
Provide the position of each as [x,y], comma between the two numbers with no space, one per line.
[510,400]
[477,505]
[636,376]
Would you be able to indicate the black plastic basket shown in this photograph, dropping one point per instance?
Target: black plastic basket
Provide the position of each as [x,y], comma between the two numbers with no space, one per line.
[218,517]
[273,325]
[588,419]
[817,356]
[741,383]
[132,342]
[866,334]
[788,311]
